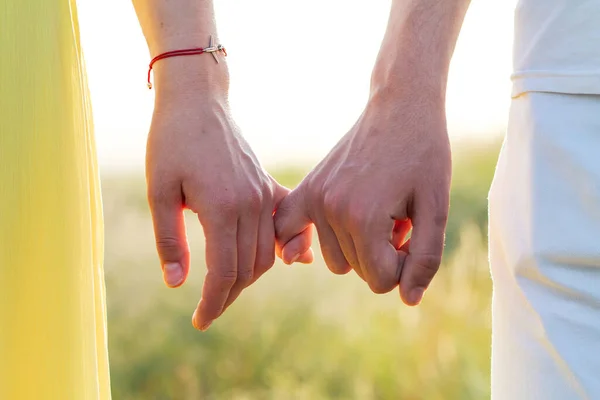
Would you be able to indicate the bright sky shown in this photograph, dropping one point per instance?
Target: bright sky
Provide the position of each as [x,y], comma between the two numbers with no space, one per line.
[300,73]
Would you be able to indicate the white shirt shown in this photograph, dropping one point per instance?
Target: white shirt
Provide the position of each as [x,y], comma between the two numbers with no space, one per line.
[557,46]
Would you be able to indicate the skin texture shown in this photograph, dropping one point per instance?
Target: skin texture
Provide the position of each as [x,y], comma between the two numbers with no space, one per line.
[391,172]
[198,159]
[388,175]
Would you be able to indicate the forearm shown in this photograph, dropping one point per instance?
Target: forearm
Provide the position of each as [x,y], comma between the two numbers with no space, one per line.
[181,24]
[417,47]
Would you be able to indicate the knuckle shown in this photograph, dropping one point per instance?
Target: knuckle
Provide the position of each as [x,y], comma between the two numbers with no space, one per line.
[223,211]
[265,261]
[156,196]
[440,220]
[284,217]
[335,261]
[382,275]
[167,244]
[340,269]
[331,204]
[428,262]
[267,193]
[359,215]
[210,308]
[163,191]
[381,286]
[244,277]
[227,277]
[251,202]
[313,190]
[280,224]
[358,219]
[335,206]
[226,203]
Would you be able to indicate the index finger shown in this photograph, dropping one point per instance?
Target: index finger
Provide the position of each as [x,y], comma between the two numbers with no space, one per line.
[221,264]
[166,207]
[377,256]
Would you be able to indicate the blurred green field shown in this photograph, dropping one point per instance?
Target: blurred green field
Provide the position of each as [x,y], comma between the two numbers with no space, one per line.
[300,333]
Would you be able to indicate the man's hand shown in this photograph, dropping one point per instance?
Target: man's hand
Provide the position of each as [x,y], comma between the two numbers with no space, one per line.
[391,172]
[196,158]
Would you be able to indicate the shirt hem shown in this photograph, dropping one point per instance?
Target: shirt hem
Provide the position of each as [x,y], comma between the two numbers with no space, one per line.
[546,81]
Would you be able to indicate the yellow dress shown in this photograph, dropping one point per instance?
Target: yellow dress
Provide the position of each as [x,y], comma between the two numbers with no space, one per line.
[52,308]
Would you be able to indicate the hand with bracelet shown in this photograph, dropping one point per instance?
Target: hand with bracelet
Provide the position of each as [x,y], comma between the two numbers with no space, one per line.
[198,159]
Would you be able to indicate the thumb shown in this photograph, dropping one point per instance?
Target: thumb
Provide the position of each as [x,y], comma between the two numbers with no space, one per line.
[424,253]
[293,227]
[169,230]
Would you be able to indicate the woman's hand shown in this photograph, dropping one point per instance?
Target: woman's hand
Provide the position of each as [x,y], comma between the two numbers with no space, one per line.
[197,158]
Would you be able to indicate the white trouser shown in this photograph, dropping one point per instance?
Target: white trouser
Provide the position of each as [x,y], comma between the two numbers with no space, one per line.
[544,233]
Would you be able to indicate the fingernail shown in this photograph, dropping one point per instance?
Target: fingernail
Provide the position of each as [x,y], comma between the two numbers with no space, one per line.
[294,259]
[206,326]
[416,295]
[194,319]
[195,324]
[173,274]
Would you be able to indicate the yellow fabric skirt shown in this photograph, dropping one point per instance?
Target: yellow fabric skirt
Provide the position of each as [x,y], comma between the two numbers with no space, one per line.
[52,305]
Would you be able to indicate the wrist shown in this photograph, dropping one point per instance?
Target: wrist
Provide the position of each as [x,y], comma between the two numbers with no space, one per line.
[406,84]
[402,69]
[191,77]
[417,48]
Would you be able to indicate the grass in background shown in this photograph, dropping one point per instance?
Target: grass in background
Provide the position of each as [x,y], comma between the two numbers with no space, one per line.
[300,332]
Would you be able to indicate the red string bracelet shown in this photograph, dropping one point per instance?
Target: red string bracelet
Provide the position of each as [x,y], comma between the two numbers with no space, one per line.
[212,49]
